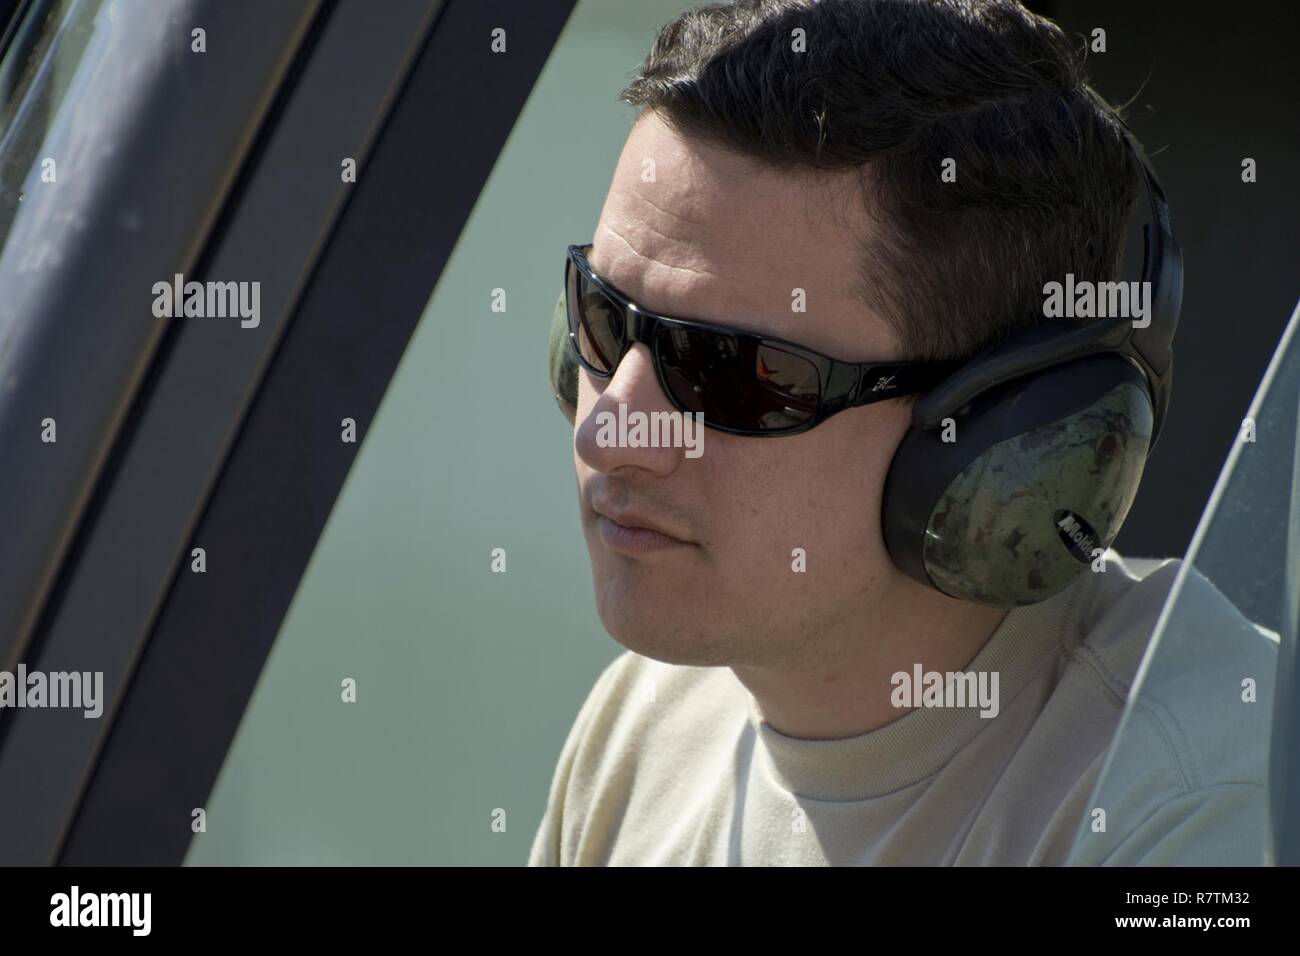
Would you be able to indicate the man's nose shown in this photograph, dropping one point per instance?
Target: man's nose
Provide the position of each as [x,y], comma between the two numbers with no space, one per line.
[635,386]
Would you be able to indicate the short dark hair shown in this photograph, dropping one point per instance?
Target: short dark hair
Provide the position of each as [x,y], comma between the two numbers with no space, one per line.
[1045,179]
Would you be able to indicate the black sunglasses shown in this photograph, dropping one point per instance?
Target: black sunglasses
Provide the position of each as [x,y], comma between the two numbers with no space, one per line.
[743,383]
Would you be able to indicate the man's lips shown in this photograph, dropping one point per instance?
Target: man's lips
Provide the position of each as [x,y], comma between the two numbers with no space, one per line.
[634,533]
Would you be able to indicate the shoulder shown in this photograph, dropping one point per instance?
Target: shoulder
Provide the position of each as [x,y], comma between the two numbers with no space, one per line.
[1185,778]
[1202,670]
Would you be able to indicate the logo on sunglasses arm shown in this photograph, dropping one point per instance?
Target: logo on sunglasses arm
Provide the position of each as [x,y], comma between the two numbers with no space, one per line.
[653,430]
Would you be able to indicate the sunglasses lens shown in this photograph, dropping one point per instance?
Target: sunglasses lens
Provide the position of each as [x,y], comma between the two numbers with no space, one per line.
[737,382]
[596,321]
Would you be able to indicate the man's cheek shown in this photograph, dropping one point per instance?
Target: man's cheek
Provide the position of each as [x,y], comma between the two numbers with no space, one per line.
[765,555]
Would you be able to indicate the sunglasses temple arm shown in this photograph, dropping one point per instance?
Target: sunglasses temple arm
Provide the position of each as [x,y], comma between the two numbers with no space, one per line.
[879,382]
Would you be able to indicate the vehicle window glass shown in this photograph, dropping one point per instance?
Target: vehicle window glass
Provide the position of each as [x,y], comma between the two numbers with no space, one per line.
[1202,702]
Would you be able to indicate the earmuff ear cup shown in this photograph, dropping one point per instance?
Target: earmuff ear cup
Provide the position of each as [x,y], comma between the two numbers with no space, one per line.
[563,363]
[1041,473]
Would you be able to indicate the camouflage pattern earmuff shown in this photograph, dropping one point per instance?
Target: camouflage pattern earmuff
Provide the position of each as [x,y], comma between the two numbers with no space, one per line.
[1033,478]
[563,363]
[1022,465]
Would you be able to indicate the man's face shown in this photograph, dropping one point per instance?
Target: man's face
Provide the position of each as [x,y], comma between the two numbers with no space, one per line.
[713,237]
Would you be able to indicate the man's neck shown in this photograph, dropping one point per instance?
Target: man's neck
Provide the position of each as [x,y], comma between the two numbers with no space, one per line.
[850,693]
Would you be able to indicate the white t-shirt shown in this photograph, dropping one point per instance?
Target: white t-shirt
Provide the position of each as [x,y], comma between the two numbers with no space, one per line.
[672,765]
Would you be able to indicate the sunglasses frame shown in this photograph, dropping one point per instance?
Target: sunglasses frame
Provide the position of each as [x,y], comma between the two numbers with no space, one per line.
[841,385]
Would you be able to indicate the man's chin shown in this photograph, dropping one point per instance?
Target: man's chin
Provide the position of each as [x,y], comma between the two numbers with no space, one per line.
[658,627]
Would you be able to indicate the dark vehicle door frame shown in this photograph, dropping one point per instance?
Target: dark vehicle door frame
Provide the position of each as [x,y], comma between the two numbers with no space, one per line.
[182,433]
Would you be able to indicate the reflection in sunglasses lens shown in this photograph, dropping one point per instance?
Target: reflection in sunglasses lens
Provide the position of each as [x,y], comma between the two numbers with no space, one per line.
[736,381]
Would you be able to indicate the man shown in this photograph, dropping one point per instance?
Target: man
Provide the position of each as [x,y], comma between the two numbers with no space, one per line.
[794,151]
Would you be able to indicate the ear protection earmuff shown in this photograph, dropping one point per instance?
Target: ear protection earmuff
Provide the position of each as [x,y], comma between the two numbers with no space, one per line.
[1019,469]
[563,362]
